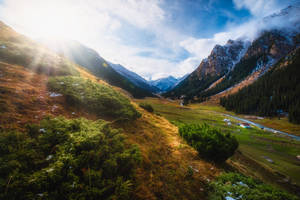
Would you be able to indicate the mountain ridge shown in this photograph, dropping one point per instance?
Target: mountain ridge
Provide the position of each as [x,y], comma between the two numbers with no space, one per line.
[259,55]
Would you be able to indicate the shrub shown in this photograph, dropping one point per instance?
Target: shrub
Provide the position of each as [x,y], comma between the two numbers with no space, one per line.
[66,159]
[209,142]
[237,186]
[146,106]
[95,97]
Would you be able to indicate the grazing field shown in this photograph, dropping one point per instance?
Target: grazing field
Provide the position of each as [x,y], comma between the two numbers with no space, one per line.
[273,152]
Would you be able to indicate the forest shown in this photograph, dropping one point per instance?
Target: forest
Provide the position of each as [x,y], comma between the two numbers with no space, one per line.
[275,93]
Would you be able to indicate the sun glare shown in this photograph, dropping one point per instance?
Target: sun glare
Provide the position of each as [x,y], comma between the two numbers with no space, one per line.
[52,19]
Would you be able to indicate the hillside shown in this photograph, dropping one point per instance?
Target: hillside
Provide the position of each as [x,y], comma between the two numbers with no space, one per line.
[92,61]
[147,158]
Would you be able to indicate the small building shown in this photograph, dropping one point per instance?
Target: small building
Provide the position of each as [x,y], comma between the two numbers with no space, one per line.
[245,125]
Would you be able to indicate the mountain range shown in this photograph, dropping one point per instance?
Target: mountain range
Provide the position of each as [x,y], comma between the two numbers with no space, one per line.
[230,65]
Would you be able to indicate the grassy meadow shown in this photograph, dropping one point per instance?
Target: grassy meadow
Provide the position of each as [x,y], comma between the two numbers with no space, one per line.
[274,153]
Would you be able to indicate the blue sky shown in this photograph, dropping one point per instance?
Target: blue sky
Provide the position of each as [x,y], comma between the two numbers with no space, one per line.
[154,38]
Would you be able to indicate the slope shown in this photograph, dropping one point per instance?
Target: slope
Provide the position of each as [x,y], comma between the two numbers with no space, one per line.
[91,60]
[26,99]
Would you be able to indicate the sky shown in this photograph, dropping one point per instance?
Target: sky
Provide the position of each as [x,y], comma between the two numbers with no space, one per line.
[154,38]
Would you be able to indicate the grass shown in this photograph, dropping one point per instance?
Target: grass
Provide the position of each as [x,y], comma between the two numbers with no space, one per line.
[254,143]
[97,98]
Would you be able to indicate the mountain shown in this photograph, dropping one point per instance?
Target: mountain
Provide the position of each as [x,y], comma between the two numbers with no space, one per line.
[232,63]
[275,92]
[221,60]
[134,78]
[91,60]
[167,83]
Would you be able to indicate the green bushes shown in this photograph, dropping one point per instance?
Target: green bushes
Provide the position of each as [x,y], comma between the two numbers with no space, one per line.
[147,107]
[210,143]
[97,98]
[237,186]
[66,159]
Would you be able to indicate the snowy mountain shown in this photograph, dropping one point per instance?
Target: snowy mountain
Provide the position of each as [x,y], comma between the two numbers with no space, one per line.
[230,64]
[167,83]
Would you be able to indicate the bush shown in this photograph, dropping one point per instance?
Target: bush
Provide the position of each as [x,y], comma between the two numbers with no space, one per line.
[96,98]
[209,142]
[147,107]
[237,186]
[66,159]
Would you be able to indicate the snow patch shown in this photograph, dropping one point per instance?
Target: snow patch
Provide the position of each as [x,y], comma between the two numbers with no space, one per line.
[42,130]
[53,94]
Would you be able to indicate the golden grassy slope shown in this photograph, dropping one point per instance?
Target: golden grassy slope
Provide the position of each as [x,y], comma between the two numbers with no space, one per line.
[163,173]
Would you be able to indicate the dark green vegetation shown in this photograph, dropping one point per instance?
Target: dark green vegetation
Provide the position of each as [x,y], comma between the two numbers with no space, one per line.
[96,98]
[90,59]
[146,106]
[237,186]
[18,50]
[209,142]
[278,89]
[66,159]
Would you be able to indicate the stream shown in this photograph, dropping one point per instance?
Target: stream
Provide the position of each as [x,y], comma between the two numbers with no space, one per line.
[264,127]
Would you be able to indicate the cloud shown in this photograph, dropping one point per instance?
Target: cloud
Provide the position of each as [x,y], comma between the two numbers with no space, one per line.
[201,47]
[258,8]
[99,24]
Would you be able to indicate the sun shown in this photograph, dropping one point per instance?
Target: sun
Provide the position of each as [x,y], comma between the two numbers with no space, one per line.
[52,19]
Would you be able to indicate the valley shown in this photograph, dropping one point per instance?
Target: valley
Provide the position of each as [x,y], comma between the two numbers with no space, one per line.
[274,154]
[213,116]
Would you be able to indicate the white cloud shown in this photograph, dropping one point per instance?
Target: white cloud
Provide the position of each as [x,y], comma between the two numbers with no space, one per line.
[98,23]
[258,8]
[201,47]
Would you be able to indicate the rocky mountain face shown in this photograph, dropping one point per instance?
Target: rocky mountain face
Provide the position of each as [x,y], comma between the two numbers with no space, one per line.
[228,65]
[222,58]
[134,78]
